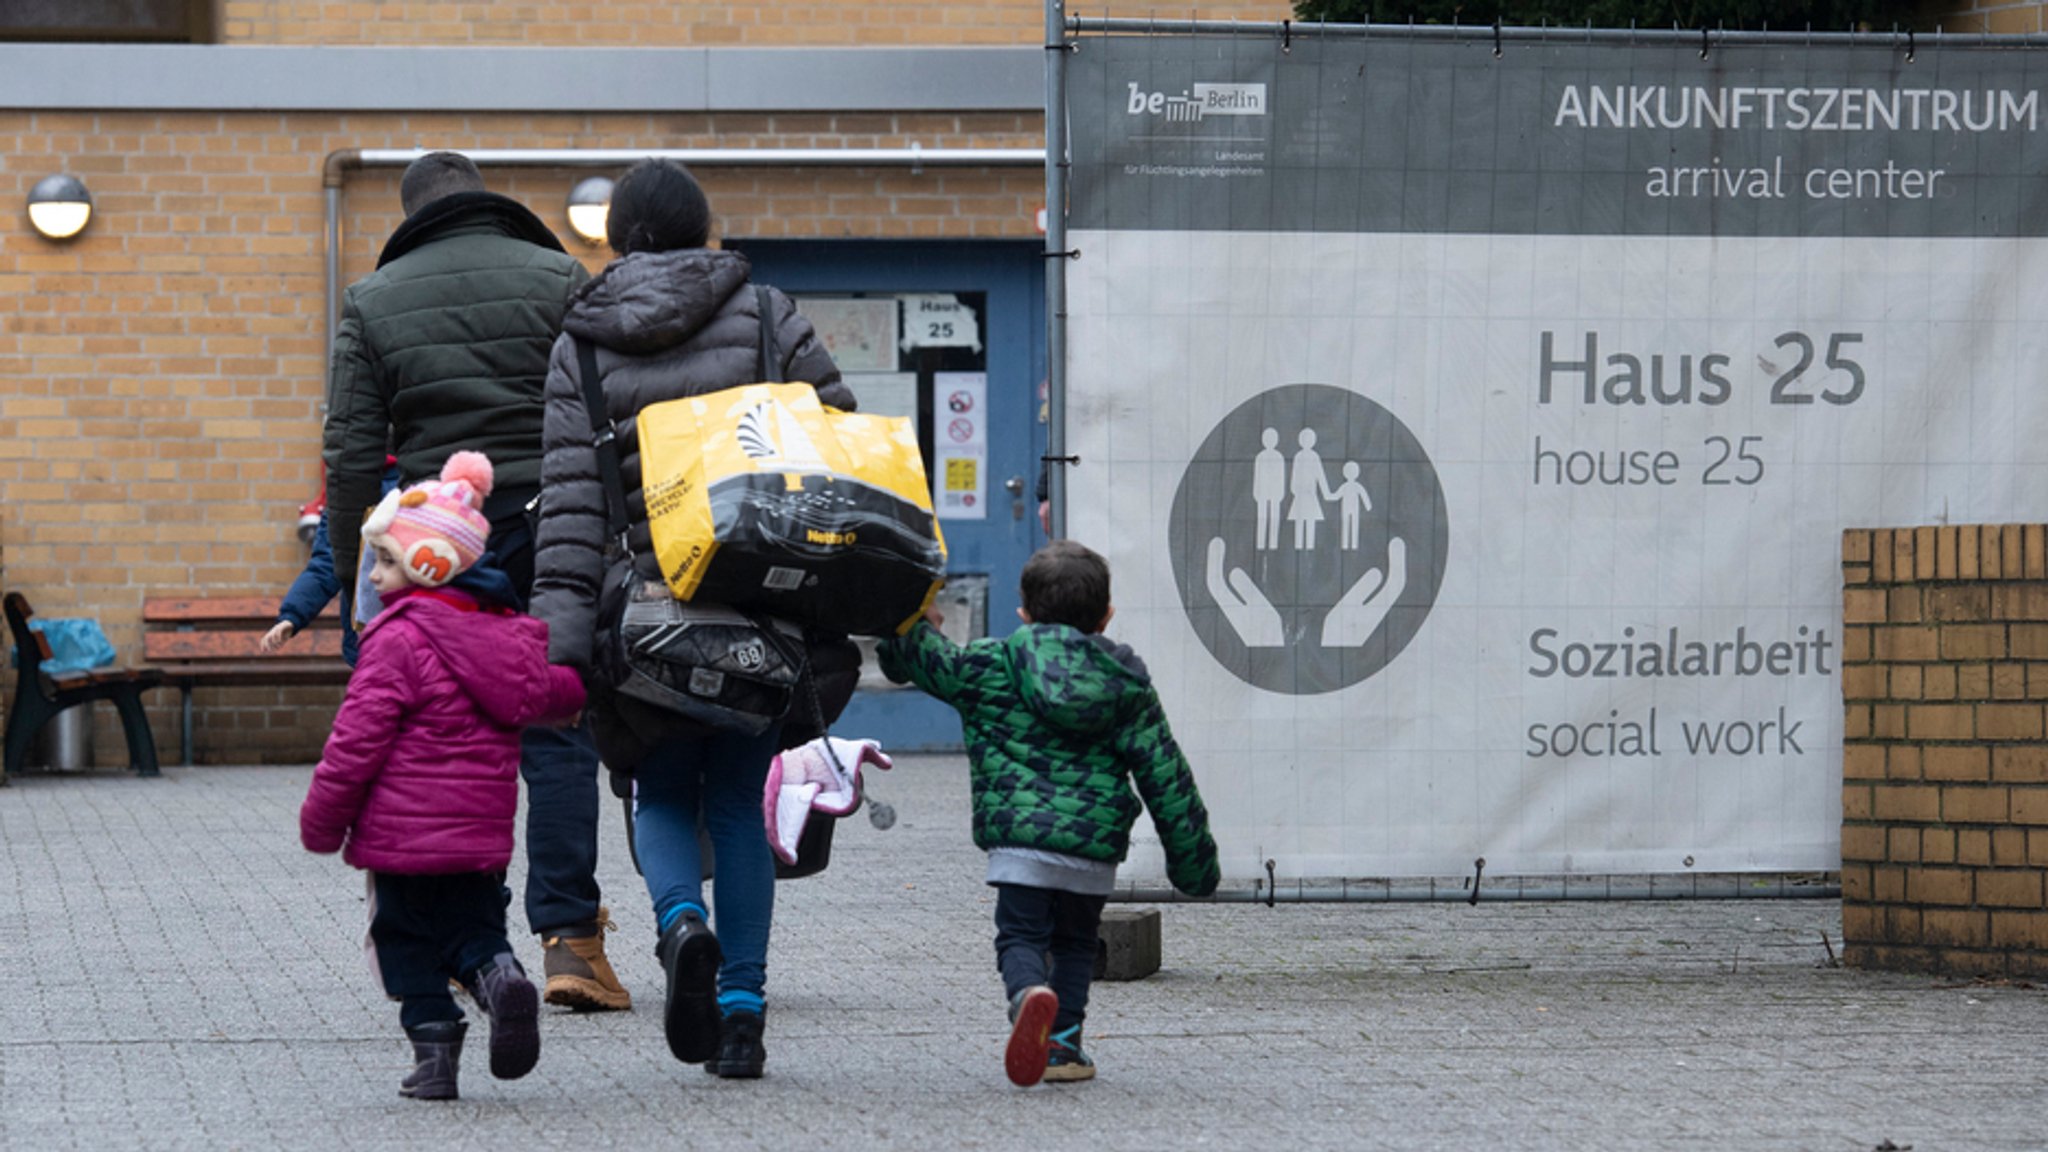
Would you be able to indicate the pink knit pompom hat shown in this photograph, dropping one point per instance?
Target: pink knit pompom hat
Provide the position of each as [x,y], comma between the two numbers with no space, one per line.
[436,528]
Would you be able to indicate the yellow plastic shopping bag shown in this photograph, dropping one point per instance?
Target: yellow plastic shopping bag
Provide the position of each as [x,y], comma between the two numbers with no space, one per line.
[761,497]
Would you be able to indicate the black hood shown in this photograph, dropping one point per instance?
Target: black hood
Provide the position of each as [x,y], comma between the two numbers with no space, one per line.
[647,301]
[467,210]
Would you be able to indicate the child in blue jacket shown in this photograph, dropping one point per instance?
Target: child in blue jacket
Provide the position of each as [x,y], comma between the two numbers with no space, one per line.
[316,587]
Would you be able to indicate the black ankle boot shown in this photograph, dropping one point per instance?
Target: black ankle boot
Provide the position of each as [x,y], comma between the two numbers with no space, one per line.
[437,1056]
[508,997]
[741,1052]
[690,957]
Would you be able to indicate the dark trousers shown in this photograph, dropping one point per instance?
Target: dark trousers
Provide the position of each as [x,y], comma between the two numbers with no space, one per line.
[431,929]
[1045,936]
[559,766]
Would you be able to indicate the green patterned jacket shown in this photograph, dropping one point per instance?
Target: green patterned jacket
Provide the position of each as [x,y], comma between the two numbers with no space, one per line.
[1060,725]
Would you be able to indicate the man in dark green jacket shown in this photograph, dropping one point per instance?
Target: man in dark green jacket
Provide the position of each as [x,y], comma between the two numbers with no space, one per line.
[445,347]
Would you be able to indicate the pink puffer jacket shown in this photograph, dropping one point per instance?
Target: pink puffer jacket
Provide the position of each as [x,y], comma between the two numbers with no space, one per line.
[421,773]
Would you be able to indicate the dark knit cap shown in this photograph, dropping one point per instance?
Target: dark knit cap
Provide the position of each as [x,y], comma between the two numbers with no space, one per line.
[657,207]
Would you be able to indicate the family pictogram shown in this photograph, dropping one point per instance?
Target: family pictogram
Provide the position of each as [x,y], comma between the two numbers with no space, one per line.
[1308,610]
[1305,489]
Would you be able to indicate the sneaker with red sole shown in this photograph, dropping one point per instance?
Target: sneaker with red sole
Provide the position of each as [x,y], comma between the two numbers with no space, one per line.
[1031,1015]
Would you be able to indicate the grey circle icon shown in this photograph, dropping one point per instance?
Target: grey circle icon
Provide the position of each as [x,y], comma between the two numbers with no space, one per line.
[1309,538]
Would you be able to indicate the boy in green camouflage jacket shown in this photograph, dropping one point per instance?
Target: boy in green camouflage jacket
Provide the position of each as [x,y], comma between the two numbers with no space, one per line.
[1060,723]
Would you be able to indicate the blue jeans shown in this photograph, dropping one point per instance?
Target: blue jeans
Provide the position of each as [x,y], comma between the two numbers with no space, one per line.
[719,779]
[559,766]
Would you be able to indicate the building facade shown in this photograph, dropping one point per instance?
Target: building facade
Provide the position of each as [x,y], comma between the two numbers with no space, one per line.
[162,374]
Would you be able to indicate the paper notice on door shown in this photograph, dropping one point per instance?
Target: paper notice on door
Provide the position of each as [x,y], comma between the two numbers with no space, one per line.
[861,335]
[939,321]
[885,393]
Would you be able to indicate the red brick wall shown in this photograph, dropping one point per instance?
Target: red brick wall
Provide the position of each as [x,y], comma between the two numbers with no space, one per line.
[1945,768]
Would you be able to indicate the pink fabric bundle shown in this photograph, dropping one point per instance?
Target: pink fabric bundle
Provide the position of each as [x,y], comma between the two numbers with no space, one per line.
[821,776]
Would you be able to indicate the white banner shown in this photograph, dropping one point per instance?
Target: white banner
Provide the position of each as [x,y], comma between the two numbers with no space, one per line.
[1523,544]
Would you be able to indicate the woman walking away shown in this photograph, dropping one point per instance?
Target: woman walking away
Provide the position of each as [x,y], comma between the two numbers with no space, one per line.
[669,318]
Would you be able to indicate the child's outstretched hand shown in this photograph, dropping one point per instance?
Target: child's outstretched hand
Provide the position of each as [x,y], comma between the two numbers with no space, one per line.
[275,638]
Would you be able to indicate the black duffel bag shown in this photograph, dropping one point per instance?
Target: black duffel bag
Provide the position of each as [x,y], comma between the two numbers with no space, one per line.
[707,663]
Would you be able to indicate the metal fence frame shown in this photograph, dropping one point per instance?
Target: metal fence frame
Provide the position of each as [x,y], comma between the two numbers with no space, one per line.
[1062,37]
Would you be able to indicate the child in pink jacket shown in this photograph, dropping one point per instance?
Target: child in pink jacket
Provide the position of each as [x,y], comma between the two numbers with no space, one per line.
[420,779]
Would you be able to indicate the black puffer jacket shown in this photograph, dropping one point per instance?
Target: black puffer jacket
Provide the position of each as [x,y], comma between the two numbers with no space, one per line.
[666,325]
[446,344]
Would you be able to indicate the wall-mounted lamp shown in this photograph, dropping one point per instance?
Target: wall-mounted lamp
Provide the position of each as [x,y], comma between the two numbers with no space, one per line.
[59,206]
[589,203]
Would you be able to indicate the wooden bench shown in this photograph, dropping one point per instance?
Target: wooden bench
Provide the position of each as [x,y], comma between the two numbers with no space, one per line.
[39,696]
[211,641]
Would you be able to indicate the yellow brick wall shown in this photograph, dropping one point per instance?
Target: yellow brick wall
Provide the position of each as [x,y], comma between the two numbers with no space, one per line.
[825,23]
[161,377]
[1996,17]
[1945,769]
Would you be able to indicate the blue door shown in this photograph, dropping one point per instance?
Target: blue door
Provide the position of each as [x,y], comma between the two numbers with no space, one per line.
[952,333]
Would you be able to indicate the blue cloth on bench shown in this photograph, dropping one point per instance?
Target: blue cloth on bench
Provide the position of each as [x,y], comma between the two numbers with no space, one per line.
[76,645]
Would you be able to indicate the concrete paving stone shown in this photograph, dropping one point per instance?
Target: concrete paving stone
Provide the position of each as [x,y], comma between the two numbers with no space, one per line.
[175,972]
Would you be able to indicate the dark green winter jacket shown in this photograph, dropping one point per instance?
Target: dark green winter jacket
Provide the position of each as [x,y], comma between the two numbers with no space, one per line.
[1060,725]
[446,344]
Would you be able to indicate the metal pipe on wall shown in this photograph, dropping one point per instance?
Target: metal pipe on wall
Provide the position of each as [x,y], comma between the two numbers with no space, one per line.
[335,169]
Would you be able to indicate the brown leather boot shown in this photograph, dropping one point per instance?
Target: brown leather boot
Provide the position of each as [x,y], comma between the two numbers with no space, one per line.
[579,976]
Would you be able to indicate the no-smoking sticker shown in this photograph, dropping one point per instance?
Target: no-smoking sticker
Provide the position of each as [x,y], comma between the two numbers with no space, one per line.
[962,445]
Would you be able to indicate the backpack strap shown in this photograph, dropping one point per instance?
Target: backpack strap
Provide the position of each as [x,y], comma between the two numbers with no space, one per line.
[771,359]
[605,438]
